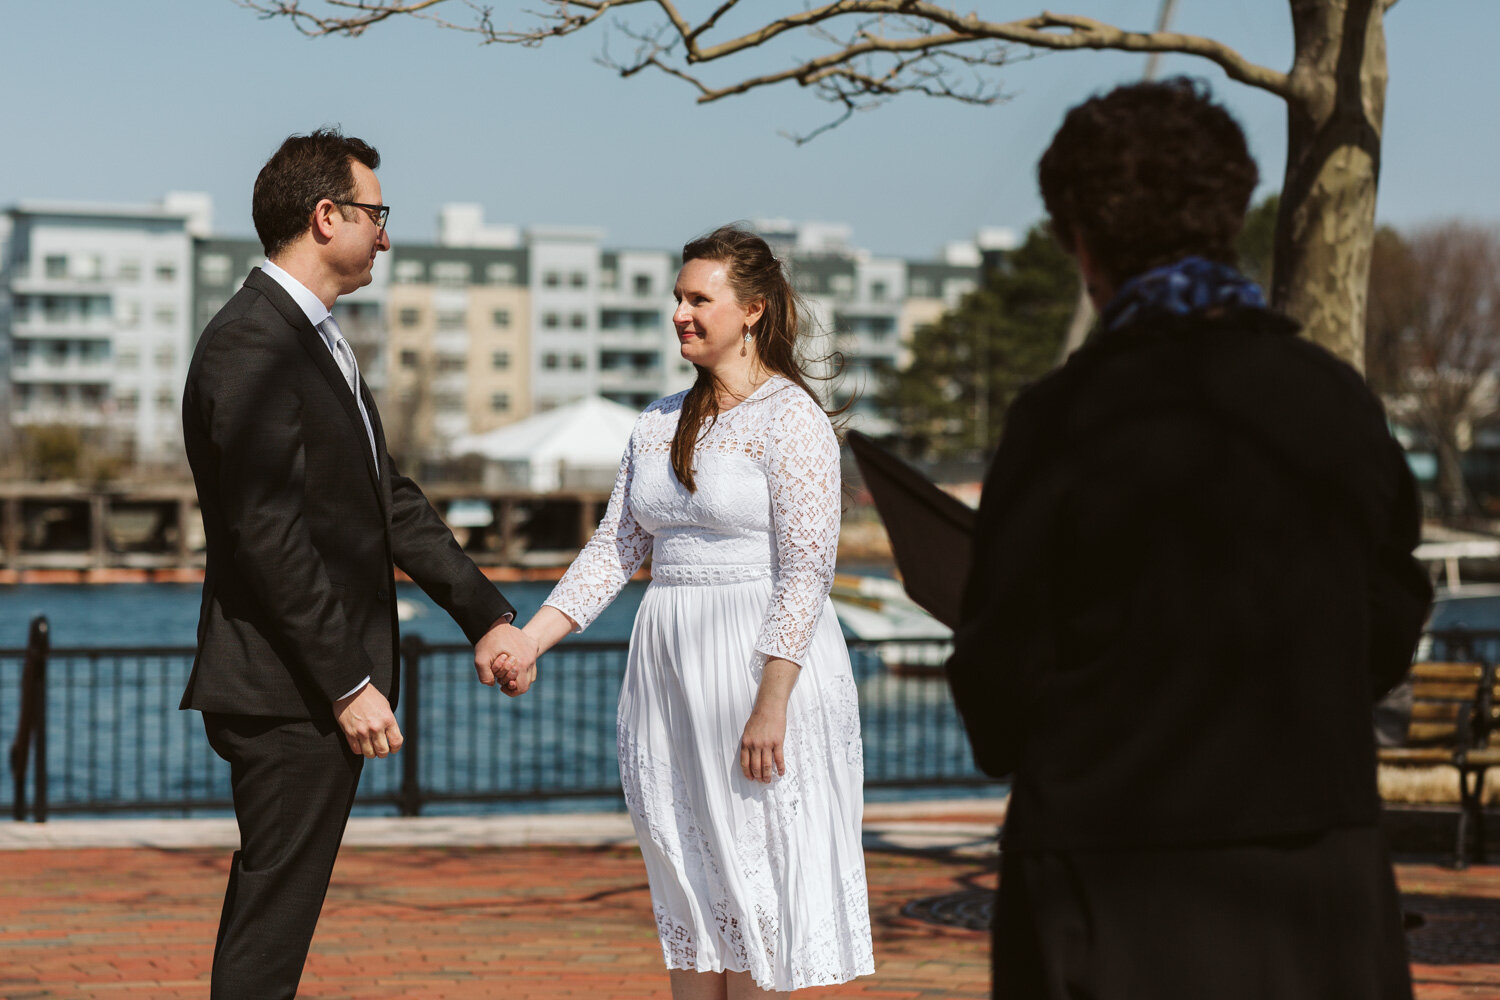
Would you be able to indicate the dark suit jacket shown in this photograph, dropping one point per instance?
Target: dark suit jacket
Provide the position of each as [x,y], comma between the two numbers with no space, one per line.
[298,600]
[1192,576]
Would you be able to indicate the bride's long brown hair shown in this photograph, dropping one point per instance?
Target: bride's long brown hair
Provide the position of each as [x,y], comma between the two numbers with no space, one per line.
[752,272]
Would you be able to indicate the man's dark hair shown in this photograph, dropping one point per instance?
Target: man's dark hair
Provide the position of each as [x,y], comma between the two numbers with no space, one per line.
[305,170]
[1147,174]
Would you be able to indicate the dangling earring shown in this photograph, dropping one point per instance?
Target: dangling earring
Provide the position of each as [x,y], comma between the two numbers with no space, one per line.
[744,345]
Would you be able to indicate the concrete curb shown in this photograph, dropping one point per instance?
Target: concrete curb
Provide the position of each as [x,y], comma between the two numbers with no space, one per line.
[964,826]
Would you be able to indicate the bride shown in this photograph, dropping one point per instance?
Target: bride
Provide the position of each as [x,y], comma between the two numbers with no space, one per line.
[738,721]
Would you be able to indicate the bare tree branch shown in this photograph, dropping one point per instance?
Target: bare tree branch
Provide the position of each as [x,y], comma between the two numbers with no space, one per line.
[920,27]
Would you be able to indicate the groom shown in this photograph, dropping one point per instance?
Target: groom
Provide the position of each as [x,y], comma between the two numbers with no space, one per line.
[306,518]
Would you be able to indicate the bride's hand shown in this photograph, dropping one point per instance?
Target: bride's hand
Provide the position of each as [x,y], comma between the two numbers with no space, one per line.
[760,746]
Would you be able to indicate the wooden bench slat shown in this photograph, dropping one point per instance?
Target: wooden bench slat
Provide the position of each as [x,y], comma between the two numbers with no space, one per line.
[1471,672]
[1415,755]
[1442,691]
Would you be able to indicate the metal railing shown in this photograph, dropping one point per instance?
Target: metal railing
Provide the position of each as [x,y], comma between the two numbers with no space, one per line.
[101,731]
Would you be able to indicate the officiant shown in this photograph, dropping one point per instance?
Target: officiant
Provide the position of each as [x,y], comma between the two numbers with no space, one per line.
[1192,576]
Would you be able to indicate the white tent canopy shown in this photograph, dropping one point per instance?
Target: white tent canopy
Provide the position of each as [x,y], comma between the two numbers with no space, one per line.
[574,446]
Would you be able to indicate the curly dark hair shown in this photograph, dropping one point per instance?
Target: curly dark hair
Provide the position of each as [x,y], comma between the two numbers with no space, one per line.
[1147,174]
[304,171]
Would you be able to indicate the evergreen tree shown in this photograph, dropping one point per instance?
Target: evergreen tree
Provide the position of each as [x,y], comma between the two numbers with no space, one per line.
[966,368]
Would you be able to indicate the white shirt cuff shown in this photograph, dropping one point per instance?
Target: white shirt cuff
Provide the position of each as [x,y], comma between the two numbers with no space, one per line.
[356,689]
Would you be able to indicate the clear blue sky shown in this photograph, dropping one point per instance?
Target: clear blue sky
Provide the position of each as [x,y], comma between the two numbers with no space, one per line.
[112,101]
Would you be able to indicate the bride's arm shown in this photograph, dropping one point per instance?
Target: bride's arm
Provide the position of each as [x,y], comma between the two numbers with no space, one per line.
[618,547]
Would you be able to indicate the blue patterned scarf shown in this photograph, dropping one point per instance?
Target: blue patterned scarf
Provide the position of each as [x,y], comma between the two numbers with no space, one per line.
[1185,286]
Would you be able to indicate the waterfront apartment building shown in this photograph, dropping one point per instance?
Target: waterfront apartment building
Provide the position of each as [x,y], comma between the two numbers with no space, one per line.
[95,314]
[488,325]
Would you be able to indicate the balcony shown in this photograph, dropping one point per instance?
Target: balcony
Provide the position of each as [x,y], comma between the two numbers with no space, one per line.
[70,327]
[28,281]
[72,414]
[630,377]
[69,371]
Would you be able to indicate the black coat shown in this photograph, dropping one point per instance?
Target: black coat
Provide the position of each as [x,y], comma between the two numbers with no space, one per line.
[298,599]
[1192,576]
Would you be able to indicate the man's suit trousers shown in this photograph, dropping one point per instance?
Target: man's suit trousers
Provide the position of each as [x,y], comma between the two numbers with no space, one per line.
[294,782]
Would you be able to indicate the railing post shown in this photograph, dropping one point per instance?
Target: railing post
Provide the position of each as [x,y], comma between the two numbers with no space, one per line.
[42,633]
[31,727]
[410,799]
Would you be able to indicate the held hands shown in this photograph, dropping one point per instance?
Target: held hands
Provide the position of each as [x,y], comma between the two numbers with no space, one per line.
[367,722]
[507,656]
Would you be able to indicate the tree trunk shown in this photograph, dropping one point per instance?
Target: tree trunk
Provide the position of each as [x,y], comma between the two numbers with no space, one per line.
[1326,225]
[1453,491]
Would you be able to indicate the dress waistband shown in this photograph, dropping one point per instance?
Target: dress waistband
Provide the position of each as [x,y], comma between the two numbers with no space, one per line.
[707,574]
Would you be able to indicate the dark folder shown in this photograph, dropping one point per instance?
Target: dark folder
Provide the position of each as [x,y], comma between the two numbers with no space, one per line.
[931,532]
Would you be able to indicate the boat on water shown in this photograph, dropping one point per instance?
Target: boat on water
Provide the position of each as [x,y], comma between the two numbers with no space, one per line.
[912,642]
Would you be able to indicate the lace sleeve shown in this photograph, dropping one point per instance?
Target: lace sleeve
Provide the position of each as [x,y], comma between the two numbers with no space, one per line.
[616,550]
[802,466]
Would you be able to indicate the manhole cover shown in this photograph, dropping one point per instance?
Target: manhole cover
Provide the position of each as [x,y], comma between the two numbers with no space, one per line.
[1442,930]
[969,909]
[1454,930]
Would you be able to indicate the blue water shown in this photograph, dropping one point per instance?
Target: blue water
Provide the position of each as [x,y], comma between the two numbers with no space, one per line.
[115,726]
[166,614]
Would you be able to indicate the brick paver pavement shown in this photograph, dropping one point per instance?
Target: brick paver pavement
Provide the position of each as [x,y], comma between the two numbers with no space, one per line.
[535,922]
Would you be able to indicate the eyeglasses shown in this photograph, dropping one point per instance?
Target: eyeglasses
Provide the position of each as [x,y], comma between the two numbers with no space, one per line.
[377,213]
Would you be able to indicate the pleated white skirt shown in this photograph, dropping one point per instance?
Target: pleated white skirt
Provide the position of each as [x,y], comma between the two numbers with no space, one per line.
[747,877]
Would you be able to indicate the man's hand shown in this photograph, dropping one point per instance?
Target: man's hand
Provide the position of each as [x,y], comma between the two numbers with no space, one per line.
[367,722]
[507,656]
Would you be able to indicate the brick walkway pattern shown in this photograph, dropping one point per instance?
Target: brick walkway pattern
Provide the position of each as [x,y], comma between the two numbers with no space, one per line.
[458,923]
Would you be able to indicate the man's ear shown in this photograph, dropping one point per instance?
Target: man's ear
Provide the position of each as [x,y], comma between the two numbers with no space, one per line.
[322,219]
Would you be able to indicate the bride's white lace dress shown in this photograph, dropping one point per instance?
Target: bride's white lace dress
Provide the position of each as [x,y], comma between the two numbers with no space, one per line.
[750,877]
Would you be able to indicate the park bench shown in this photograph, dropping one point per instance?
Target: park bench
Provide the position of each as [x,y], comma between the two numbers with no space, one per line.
[1454,709]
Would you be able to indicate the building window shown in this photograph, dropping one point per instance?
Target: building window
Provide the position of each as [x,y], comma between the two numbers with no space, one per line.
[166,356]
[500,274]
[165,402]
[213,269]
[55,265]
[165,315]
[879,291]
[409,359]
[166,270]
[578,279]
[956,288]
[127,402]
[127,359]
[552,279]
[501,318]
[549,361]
[448,402]
[575,362]
[500,360]
[411,316]
[128,314]
[450,319]
[408,272]
[450,273]
[643,284]
[500,402]
[450,363]
[551,320]
[578,321]
[130,269]
[841,284]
